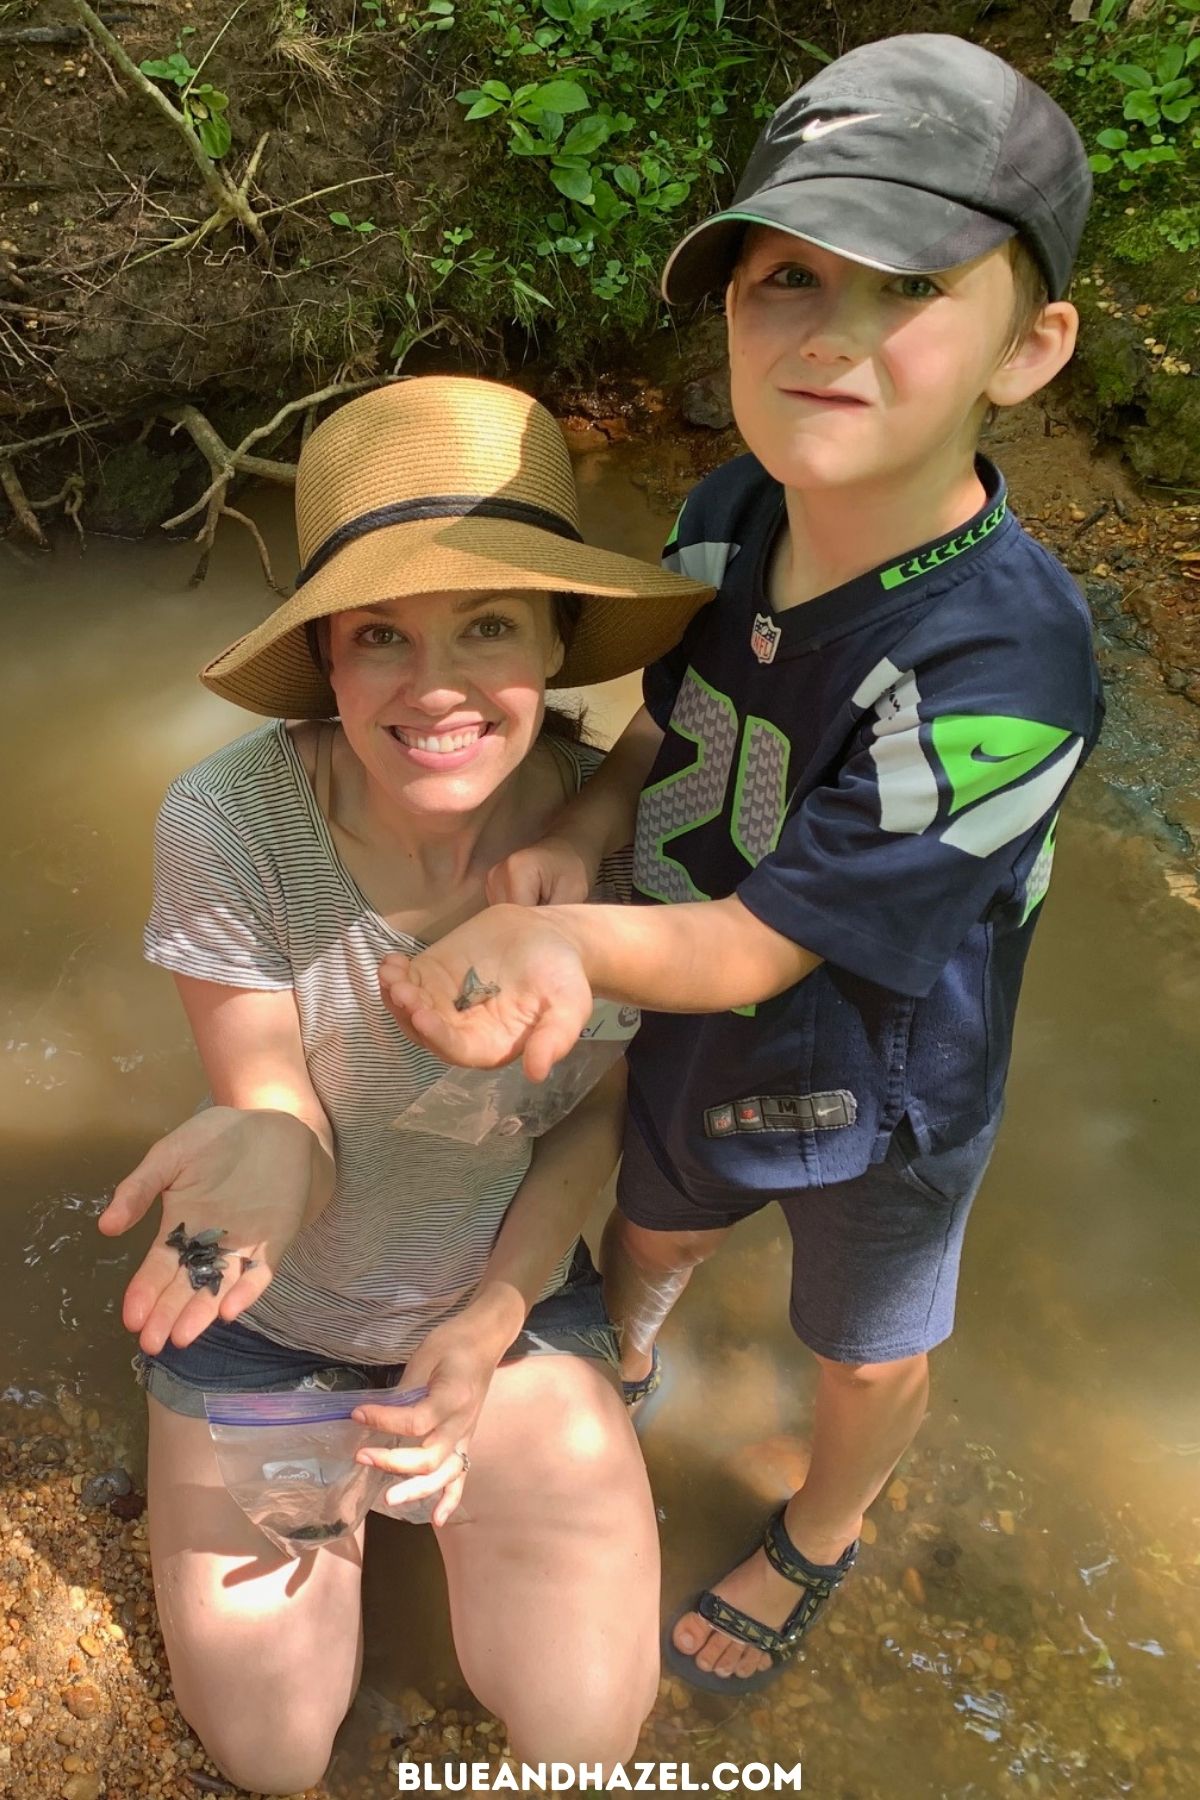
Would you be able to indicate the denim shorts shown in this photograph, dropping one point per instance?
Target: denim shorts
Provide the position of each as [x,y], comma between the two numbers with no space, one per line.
[874,1260]
[230,1357]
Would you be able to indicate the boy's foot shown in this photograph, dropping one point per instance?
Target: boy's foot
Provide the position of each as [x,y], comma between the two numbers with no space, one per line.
[758,1590]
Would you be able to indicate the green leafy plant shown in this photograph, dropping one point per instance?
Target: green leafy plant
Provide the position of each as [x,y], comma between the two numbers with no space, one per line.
[1151,66]
[609,124]
[204,104]
[1179,226]
[438,16]
[364,227]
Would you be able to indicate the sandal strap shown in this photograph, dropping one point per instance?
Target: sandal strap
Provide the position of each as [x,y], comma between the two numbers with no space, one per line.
[737,1624]
[635,1391]
[820,1579]
[818,1582]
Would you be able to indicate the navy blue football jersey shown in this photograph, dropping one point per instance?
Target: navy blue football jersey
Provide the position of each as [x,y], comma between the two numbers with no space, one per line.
[877,774]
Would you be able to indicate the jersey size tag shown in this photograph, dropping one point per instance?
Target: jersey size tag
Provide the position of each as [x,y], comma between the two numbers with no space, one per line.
[830,1111]
[764,638]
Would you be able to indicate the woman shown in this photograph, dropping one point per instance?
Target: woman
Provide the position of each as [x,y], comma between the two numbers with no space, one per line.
[444,585]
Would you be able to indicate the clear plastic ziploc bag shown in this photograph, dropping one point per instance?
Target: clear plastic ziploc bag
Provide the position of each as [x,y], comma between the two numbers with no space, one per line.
[288,1460]
[473,1105]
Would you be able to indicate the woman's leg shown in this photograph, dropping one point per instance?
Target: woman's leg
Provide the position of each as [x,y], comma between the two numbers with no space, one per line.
[554,1578]
[265,1652]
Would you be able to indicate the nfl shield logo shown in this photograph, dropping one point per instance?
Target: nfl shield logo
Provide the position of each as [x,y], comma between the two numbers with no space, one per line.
[764,639]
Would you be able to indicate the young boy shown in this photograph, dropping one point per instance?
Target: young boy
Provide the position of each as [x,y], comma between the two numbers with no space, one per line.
[853,764]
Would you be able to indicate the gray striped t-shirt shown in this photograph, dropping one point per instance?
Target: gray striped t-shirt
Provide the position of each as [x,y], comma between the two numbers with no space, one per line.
[249,891]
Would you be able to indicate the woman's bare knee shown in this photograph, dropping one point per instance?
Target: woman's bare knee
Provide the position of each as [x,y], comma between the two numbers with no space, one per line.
[285,1759]
[599,1722]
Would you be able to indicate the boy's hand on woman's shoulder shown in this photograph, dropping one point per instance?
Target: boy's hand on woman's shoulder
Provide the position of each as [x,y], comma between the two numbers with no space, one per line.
[551,872]
[539,1003]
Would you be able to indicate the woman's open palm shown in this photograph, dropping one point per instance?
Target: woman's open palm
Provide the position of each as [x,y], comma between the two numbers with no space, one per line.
[246,1175]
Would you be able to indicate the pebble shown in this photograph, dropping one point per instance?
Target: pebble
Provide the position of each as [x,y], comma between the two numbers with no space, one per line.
[912,1586]
[113,1484]
[706,402]
[83,1787]
[413,1708]
[82,1700]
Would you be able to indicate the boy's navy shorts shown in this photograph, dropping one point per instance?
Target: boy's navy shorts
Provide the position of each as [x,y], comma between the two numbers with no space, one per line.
[874,1260]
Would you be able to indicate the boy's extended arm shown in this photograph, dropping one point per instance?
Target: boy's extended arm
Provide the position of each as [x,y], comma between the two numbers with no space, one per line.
[563,865]
[702,956]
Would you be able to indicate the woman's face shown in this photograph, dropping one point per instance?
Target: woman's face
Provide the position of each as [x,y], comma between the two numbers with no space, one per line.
[441,696]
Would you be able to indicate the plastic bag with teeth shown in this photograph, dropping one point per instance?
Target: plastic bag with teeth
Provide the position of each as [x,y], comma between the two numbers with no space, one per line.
[472,1105]
[288,1460]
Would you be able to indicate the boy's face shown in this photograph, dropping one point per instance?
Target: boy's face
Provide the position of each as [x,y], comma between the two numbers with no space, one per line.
[843,375]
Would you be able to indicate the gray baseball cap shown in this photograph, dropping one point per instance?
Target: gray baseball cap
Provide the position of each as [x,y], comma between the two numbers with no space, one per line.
[912,155]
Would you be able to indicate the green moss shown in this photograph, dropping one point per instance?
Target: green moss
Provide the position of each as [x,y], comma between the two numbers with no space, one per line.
[1167,447]
[1109,368]
[1137,243]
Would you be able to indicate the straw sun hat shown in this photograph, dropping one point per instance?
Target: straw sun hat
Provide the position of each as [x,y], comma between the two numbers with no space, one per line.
[443,484]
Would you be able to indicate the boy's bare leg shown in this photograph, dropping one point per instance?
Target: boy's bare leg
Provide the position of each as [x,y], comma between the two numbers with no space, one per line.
[644,1274]
[865,1418]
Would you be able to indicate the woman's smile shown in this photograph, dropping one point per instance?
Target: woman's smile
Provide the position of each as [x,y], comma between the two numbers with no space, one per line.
[446,748]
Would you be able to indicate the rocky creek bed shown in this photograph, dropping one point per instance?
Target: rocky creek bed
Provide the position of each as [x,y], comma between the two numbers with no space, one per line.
[953,1596]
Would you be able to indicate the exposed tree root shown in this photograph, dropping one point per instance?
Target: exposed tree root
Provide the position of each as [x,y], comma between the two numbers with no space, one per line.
[22,511]
[225,463]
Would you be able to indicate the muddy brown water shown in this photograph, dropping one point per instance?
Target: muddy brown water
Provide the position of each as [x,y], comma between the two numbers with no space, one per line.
[1026,1620]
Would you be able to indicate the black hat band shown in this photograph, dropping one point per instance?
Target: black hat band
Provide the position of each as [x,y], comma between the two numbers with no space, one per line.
[436,506]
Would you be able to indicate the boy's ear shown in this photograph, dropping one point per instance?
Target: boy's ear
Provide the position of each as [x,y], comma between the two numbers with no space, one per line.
[1045,348]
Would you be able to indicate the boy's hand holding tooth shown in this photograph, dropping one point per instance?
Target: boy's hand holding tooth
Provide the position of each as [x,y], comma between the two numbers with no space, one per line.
[509,983]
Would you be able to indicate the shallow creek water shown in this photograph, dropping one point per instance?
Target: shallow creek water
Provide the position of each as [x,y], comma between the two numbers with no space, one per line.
[1025,1619]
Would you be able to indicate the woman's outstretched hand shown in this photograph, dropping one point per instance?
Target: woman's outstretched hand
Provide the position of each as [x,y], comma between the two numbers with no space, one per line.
[523,976]
[246,1175]
[457,1368]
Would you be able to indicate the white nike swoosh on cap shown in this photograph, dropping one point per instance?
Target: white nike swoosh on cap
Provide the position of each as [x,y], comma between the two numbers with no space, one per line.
[819,128]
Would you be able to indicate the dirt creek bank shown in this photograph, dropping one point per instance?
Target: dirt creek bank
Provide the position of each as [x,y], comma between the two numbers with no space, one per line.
[375,227]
